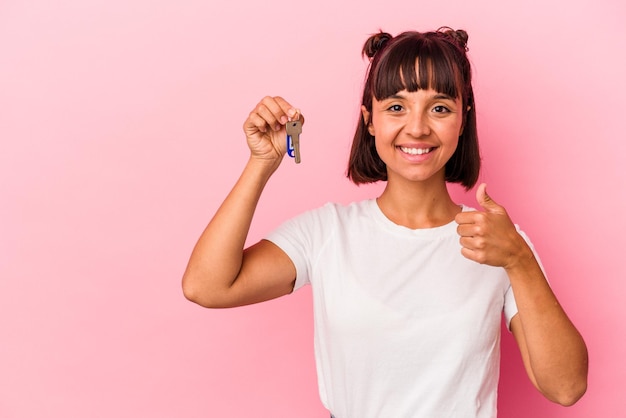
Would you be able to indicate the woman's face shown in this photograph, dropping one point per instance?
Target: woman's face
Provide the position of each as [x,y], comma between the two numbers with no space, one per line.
[416,133]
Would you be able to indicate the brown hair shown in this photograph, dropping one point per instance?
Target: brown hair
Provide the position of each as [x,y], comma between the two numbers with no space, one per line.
[443,66]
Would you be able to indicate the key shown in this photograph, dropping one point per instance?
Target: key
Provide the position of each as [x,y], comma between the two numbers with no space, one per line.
[294,129]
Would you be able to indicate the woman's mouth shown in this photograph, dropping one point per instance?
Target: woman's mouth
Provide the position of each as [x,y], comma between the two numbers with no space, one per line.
[416,151]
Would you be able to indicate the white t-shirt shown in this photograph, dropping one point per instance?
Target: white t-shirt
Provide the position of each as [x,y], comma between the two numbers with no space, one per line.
[405,326]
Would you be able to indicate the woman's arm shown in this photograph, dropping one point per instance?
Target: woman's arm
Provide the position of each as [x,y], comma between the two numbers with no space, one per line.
[553,351]
[220,273]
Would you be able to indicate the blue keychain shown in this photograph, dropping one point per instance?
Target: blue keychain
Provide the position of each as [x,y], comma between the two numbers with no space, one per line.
[290,149]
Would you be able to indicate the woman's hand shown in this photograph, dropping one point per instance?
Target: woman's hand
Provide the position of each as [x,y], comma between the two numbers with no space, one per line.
[265,128]
[490,237]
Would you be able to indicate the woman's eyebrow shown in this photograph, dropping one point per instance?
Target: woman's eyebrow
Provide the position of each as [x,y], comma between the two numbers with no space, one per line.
[438,96]
[441,96]
[395,96]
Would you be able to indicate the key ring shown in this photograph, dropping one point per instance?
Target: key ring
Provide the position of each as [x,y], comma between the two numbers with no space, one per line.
[290,149]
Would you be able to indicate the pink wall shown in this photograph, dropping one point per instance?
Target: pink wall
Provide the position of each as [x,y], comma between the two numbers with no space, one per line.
[120,130]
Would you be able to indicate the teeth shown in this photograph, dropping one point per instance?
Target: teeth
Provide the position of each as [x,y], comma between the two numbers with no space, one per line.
[416,151]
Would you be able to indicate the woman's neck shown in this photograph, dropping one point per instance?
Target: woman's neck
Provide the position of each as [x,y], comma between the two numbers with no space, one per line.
[418,205]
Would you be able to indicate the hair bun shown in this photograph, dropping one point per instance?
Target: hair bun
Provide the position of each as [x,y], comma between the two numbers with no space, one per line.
[375,43]
[459,36]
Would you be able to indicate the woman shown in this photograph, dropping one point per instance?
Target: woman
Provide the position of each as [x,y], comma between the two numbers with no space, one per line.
[408,288]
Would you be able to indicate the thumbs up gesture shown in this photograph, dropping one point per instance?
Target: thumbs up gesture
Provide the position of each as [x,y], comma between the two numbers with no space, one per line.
[489,236]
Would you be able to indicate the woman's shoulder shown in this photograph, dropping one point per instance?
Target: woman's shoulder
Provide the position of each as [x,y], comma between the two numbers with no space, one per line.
[336,212]
[351,209]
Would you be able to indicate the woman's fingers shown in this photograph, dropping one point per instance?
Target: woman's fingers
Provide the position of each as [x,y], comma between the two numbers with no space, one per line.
[265,127]
[271,113]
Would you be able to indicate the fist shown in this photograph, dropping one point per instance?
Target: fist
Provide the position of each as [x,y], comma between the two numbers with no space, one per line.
[489,236]
[265,127]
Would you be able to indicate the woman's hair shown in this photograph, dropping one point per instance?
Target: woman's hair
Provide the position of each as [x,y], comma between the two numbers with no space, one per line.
[443,66]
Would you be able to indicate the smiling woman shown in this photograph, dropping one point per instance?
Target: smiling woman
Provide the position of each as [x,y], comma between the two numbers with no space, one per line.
[418,64]
[120,133]
[409,287]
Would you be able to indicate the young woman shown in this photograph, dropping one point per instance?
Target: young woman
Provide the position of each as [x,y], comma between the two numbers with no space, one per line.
[408,288]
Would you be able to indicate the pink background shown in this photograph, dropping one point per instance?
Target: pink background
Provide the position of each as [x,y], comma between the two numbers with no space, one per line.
[120,129]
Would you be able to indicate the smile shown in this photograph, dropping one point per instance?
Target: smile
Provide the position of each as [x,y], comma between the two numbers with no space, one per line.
[416,151]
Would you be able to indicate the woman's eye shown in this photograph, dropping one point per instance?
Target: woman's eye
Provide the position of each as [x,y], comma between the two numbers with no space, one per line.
[440,109]
[395,108]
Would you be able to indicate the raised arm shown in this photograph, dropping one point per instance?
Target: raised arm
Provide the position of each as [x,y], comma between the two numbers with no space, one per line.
[553,351]
[220,273]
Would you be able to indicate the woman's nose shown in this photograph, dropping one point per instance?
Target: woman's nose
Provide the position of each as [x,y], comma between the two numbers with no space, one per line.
[418,124]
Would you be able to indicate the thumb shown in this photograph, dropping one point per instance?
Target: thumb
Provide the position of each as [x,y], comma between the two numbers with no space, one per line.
[486,202]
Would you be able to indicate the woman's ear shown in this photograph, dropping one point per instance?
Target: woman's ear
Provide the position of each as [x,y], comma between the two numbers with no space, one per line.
[366,119]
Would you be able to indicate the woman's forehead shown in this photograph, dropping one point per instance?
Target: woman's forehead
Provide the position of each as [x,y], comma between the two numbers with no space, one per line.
[414,75]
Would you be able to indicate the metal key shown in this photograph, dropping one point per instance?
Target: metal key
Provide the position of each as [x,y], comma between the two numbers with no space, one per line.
[294,129]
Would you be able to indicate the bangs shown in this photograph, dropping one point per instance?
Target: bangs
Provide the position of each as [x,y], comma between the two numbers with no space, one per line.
[436,69]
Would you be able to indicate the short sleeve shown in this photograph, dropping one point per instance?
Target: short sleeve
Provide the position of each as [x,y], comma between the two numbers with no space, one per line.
[287,242]
[299,237]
